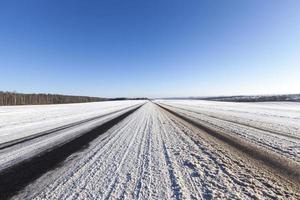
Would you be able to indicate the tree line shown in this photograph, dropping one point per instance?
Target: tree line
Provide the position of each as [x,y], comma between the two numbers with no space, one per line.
[254,98]
[13,98]
[258,98]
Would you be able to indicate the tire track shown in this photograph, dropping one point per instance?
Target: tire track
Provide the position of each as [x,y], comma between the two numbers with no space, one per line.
[61,128]
[286,147]
[248,177]
[16,177]
[280,164]
[244,124]
[152,154]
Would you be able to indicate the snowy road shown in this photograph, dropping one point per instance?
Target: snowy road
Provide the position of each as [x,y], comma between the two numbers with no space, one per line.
[152,154]
[18,122]
[274,126]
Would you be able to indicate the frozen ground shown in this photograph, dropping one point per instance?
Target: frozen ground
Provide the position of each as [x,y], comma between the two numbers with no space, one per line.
[20,121]
[154,155]
[273,125]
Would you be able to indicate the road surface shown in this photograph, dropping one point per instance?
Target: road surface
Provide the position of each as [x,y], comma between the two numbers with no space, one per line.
[154,154]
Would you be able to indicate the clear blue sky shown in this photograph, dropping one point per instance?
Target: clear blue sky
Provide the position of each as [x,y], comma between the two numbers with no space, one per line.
[153,48]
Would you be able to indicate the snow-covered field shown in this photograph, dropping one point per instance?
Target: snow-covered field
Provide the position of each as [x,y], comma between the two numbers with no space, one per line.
[21,121]
[274,125]
[154,154]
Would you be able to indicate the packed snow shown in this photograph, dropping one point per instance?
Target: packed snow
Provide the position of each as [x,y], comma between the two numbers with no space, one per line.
[20,121]
[152,155]
[274,125]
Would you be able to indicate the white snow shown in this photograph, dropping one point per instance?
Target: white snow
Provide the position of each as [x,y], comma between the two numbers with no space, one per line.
[274,125]
[21,121]
[152,155]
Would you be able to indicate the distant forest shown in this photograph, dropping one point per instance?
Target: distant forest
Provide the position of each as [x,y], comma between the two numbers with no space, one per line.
[258,98]
[13,98]
[253,98]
